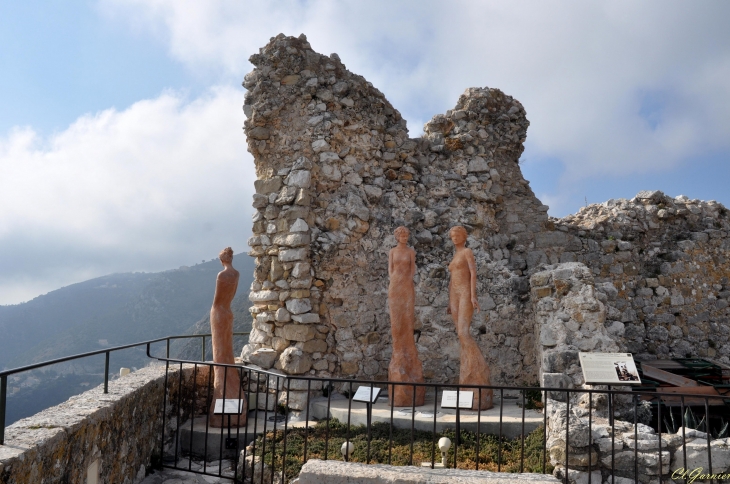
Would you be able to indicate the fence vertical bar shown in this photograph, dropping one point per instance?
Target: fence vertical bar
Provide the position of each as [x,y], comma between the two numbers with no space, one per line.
[391,395]
[245,432]
[636,441]
[349,413]
[458,428]
[659,427]
[709,437]
[499,438]
[433,439]
[192,413]
[208,402]
[202,350]
[590,433]
[167,350]
[266,419]
[3,404]
[369,418]
[567,434]
[106,372]
[479,422]
[327,430]
[522,434]
[413,424]
[544,432]
[286,428]
[306,416]
[164,414]
[179,404]
[684,437]
[273,443]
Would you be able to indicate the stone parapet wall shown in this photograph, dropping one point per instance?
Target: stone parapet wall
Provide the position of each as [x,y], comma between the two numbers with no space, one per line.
[120,430]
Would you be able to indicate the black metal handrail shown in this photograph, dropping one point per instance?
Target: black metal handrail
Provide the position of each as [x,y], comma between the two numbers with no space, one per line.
[6,373]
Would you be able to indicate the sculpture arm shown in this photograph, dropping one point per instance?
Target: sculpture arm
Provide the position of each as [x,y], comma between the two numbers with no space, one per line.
[473,278]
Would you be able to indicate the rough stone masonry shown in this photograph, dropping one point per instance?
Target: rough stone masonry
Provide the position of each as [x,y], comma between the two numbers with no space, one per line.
[337,173]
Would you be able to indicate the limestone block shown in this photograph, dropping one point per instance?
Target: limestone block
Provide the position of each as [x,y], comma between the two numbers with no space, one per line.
[259,133]
[307,318]
[301,269]
[260,201]
[291,255]
[299,178]
[282,315]
[279,344]
[320,145]
[268,185]
[263,296]
[294,361]
[697,456]
[292,240]
[295,332]
[264,357]
[313,346]
[299,225]
[478,165]
[331,172]
[298,306]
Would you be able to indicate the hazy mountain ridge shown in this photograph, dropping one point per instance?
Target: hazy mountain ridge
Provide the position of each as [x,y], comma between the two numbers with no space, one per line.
[118,309]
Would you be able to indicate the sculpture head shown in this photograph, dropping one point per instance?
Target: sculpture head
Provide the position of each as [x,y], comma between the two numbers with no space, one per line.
[458,235]
[401,234]
[226,255]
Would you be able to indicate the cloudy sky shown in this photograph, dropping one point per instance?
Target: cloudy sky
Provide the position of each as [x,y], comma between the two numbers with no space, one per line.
[121,146]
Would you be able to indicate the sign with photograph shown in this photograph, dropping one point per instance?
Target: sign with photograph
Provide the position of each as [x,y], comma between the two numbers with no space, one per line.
[609,369]
[364,394]
[448,399]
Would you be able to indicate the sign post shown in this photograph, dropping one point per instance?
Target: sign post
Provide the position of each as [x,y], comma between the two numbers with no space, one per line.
[369,395]
[229,406]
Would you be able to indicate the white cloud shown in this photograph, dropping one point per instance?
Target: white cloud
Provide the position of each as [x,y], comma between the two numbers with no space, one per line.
[579,68]
[164,182]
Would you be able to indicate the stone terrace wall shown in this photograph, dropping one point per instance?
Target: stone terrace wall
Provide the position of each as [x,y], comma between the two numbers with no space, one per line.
[121,429]
[337,174]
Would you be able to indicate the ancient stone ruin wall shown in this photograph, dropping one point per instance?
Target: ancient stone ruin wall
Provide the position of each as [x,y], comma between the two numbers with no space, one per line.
[337,173]
[663,267]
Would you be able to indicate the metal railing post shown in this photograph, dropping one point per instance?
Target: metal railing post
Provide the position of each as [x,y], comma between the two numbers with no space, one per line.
[3,397]
[202,350]
[106,373]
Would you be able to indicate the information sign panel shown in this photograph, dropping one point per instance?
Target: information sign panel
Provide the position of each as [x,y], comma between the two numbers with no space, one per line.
[229,406]
[363,394]
[609,369]
[448,399]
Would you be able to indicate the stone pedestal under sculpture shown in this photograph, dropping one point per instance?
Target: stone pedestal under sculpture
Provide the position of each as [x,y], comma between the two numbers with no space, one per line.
[227,381]
[473,367]
[404,363]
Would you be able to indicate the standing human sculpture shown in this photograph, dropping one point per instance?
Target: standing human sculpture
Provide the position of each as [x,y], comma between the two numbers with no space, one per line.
[227,380]
[404,363]
[473,367]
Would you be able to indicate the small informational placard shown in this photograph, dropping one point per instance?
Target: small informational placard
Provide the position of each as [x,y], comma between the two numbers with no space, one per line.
[448,399]
[229,406]
[609,369]
[364,394]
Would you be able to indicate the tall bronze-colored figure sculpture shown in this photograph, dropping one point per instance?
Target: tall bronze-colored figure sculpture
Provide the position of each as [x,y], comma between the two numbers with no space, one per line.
[221,328]
[404,364]
[462,303]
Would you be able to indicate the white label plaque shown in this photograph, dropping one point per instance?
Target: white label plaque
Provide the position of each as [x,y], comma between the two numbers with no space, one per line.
[363,394]
[448,399]
[229,406]
[609,369]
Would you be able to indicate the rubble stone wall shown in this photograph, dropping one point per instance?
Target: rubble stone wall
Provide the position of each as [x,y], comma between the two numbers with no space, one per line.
[337,173]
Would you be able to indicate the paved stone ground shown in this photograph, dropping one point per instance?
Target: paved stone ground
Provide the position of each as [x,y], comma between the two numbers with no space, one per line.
[172,476]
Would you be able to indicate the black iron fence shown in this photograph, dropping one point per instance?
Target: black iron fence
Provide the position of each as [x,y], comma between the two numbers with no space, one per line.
[572,433]
[581,435]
